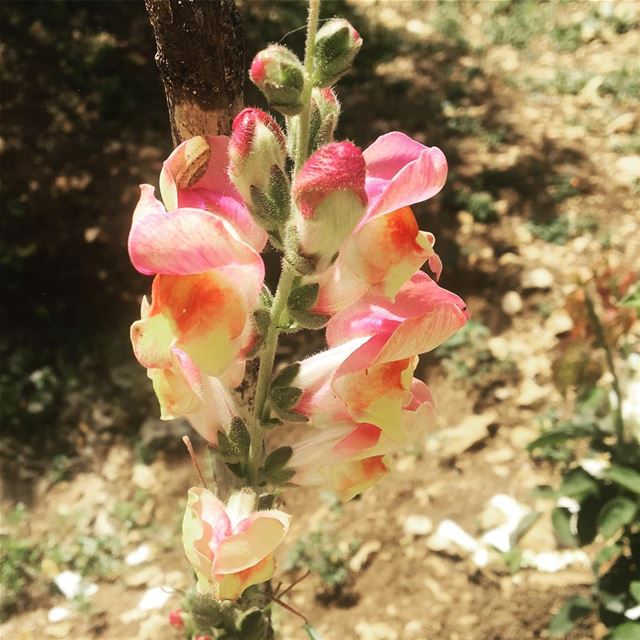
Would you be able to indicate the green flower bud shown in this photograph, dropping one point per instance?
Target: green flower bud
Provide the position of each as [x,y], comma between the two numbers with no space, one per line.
[337,44]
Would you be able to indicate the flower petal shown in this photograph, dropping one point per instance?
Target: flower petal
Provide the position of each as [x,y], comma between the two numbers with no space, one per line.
[232,585]
[348,479]
[401,172]
[260,536]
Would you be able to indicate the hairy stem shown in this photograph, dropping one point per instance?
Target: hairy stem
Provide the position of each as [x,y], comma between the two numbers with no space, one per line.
[288,274]
[305,114]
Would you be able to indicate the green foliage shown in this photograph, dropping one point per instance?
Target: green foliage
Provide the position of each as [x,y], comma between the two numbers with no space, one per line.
[623,83]
[320,553]
[561,229]
[572,610]
[127,512]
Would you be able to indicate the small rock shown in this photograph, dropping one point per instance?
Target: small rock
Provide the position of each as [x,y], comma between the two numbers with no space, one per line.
[628,169]
[624,123]
[138,555]
[511,303]
[413,630]
[58,630]
[143,477]
[406,463]
[503,393]
[417,525]
[176,580]
[590,93]
[364,555]
[155,598]
[520,437]
[456,440]
[539,278]
[375,631]
[147,575]
[531,393]
[71,585]
[558,580]
[558,323]
[58,614]
[118,459]
[500,456]
[499,347]
[452,538]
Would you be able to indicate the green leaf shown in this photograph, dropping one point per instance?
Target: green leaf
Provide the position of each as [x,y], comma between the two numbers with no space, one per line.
[587,519]
[262,320]
[572,610]
[578,484]
[239,435]
[285,397]
[286,376]
[626,631]
[289,416]
[308,320]
[254,626]
[634,590]
[304,297]
[227,450]
[561,521]
[271,423]
[615,514]
[265,299]
[278,458]
[607,555]
[312,633]
[625,477]
[562,434]
[279,476]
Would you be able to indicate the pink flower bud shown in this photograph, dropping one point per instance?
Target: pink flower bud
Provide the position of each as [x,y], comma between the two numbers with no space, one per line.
[257,153]
[330,195]
[175,619]
[337,44]
[279,74]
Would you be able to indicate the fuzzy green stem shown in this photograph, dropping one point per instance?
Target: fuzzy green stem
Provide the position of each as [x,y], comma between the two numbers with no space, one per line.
[267,360]
[288,274]
[305,115]
[602,342]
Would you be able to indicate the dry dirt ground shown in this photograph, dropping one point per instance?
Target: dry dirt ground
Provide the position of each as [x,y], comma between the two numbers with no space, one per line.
[548,130]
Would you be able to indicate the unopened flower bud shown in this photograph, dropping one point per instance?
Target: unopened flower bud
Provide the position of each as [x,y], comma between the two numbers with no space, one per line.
[279,74]
[325,111]
[257,153]
[337,44]
[176,620]
[331,199]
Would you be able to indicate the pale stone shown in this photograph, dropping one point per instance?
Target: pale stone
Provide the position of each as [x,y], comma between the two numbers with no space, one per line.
[364,555]
[154,598]
[138,555]
[147,575]
[143,477]
[531,394]
[558,323]
[58,614]
[539,278]
[520,437]
[451,538]
[624,123]
[471,430]
[152,628]
[375,631]
[416,525]
[413,630]
[511,303]
[628,169]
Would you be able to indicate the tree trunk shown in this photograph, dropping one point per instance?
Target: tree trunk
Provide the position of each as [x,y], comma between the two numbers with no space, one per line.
[201,60]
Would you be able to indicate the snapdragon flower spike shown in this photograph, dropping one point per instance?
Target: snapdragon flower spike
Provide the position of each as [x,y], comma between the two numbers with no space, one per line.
[195,176]
[422,316]
[230,547]
[325,113]
[279,74]
[337,44]
[387,246]
[330,197]
[257,154]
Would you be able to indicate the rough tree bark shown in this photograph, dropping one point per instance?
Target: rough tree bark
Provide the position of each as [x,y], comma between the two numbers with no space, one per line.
[201,60]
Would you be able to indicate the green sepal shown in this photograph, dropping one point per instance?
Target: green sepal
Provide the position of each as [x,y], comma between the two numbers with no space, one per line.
[278,458]
[286,376]
[266,501]
[271,423]
[308,320]
[253,626]
[263,209]
[262,321]
[265,298]
[304,297]
[285,397]
[227,450]
[289,416]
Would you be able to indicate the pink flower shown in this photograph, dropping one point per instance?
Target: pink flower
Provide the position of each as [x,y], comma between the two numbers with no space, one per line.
[207,285]
[195,176]
[175,619]
[330,195]
[230,547]
[387,247]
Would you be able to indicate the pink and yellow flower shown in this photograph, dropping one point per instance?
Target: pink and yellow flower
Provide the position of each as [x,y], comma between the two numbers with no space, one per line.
[230,547]
[387,246]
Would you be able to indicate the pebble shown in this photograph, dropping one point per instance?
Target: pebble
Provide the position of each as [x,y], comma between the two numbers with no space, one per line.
[417,525]
[449,443]
[531,393]
[138,555]
[413,630]
[624,123]
[152,628]
[558,323]
[144,576]
[57,614]
[539,278]
[375,631]
[520,437]
[451,538]
[143,477]
[155,598]
[364,555]
[628,169]
[511,303]
[58,630]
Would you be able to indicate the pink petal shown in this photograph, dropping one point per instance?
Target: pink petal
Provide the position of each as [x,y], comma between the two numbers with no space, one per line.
[401,172]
